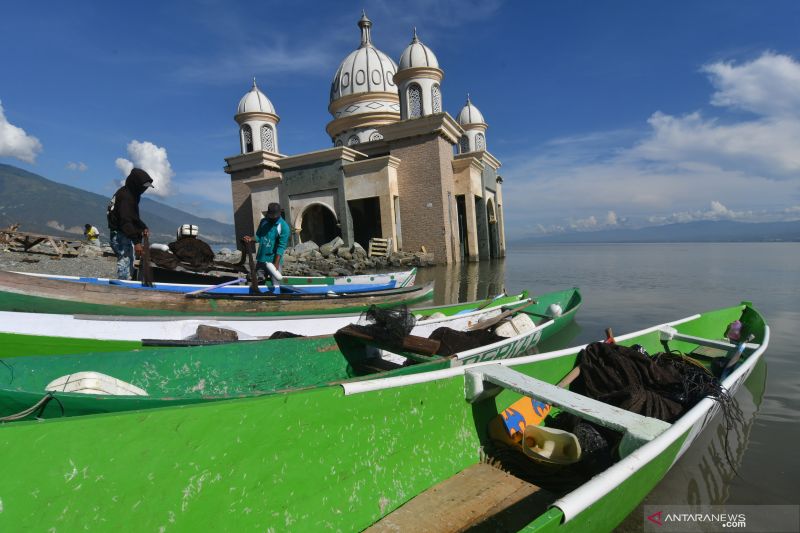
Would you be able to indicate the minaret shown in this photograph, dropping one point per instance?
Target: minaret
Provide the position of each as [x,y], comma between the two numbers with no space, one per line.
[471,120]
[258,122]
[419,81]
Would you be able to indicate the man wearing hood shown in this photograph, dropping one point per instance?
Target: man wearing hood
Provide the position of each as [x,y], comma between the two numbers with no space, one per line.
[125,226]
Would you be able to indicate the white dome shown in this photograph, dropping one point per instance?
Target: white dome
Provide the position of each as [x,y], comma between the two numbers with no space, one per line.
[364,70]
[470,114]
[417,54]
[255,102]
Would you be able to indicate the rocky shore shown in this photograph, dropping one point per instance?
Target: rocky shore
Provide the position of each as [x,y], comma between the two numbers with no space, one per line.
[306,259]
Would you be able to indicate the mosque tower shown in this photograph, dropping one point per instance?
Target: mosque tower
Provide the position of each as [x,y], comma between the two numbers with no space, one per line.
[419,81]
[471,120]
[363,93]
[258,122]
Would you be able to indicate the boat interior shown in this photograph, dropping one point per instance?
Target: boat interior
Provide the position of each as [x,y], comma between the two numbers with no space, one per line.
[520,474]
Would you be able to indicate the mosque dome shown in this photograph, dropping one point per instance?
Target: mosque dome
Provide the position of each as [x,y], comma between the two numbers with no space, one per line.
[470,115]
[363,95]
[255,102]
[417,54]
[364,70]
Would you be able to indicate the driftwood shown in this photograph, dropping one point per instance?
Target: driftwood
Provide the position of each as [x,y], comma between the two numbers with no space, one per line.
[62,246]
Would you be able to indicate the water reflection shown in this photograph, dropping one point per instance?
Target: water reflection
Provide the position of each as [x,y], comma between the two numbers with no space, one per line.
[466,281]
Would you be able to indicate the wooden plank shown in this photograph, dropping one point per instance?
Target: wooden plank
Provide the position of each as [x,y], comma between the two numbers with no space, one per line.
[411,343]
[471,498]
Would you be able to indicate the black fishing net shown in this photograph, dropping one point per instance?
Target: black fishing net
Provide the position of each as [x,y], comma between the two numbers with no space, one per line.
[284,335]
[454,341]
[387,325]
[663,386]
[163,259]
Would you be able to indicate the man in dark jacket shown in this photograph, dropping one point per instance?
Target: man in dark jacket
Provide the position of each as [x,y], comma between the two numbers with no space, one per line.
[126,228]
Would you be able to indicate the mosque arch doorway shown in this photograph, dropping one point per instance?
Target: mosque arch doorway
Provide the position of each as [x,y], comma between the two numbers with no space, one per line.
[318,224]
[494,238]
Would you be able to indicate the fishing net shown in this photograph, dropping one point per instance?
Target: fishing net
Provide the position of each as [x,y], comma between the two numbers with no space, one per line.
[284,335]
[454,341]
[663,386]
[388,325]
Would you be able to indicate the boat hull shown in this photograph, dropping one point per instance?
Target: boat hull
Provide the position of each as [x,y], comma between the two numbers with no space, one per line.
[173,376]
[23,293]
[327,458]
[50,334]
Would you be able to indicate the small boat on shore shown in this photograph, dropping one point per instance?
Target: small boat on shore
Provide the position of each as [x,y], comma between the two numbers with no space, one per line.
[20,292]
[49,334]
[388,280]
[402,453]
[145,378]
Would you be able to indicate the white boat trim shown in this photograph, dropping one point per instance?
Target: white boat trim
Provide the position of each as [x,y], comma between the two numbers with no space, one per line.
[359,387]
[403,278]
[177,328]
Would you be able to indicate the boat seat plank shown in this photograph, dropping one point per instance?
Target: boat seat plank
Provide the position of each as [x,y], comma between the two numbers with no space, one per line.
[487,381]
[469,500]
[669,334]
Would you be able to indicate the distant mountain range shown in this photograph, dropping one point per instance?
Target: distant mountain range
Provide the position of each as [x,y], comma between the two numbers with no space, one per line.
[701,231]
[44,206]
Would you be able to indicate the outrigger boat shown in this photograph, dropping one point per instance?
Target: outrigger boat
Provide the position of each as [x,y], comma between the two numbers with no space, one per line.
[50,334]
[389,280]
[20,292]
[146,378]
[402,453]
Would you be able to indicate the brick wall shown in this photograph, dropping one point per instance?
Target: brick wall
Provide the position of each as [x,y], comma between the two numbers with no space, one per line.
[425,175]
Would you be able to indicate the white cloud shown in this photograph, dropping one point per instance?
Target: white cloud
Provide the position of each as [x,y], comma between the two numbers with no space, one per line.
[77,230]
[15,142]
[716,211]
[766,86]
[735,167]
[151,158]
[80,166]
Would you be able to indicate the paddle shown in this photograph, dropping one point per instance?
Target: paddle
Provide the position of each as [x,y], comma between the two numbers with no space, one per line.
[145,269]
[231,282]
[248,246]
[735,356]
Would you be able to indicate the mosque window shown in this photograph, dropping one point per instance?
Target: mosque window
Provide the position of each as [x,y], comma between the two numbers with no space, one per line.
[480,142]
[375,136]
[436,97]
[464,144]
[414,101]
[353,140]
[339,142]
[247,139]
[267,139]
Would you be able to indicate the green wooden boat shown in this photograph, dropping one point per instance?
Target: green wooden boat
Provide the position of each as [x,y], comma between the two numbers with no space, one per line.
[149,378]
[32,294]
[407,452]
[51,334]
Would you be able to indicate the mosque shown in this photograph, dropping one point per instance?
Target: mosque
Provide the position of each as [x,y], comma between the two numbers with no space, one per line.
[401,168]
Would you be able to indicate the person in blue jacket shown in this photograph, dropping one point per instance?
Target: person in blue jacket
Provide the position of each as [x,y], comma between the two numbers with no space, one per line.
[272,237]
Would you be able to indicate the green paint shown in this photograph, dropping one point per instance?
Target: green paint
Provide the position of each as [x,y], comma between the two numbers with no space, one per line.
[201,373]
[15,345]
[307,460]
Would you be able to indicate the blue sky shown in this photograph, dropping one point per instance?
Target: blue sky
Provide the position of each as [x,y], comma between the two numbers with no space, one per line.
[604,114]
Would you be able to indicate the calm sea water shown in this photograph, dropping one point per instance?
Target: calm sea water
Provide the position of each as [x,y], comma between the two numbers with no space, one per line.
[632,286]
